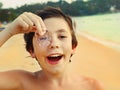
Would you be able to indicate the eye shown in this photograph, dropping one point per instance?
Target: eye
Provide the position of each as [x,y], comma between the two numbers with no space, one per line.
[43,38]
[62,36]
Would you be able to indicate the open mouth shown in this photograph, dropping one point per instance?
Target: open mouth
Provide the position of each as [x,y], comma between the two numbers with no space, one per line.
[54,59]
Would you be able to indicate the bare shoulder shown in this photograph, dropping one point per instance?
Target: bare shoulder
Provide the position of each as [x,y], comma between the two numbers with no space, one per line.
[12,80]
[91,83]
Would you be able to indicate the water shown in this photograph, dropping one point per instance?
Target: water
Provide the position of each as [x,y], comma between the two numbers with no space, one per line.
[105,26]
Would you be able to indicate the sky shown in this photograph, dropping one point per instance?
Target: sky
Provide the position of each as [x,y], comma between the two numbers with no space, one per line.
[17,3]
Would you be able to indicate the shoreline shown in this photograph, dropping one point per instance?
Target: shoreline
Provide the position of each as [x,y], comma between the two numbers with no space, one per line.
[110,44]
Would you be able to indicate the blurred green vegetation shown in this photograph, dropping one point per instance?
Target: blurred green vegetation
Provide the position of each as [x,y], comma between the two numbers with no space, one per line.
[75,8]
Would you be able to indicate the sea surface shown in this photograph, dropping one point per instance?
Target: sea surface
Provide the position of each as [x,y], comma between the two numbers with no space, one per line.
[105,26]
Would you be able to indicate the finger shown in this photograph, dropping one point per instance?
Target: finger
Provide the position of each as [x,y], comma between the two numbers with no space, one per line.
[43,27]
[34,29]
[36,22]
[24,27]
[42,23]
[31,28]
[27,20]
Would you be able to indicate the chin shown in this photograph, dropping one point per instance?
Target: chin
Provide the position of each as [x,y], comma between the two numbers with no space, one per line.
[56,70]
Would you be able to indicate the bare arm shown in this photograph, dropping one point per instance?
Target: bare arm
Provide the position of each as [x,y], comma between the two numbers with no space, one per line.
[26,22]
[4,36]
[9,81]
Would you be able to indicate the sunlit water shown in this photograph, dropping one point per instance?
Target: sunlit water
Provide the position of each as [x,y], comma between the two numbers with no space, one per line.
[102,26]
[104,29]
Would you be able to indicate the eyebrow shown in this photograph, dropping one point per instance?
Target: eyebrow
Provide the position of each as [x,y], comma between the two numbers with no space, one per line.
[61,30]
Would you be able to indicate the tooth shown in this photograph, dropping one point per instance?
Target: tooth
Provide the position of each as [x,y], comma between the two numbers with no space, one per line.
[54,55]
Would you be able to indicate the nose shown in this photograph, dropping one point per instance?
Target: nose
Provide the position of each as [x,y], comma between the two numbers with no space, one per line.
[54,43]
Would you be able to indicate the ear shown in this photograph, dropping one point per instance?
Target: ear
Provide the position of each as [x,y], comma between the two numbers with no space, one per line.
[32,54]
[73,50]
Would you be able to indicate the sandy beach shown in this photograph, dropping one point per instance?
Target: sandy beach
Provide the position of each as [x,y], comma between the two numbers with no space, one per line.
[91,59]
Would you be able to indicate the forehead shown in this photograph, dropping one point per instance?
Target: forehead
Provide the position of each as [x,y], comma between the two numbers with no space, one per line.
[56,23]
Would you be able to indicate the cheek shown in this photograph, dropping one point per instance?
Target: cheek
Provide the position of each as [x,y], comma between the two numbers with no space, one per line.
[38,50]
[67,46]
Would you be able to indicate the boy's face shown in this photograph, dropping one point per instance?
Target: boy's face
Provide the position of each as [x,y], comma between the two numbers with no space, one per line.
[53,55]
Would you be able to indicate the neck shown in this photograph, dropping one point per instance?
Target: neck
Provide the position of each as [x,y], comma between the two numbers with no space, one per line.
[56,78]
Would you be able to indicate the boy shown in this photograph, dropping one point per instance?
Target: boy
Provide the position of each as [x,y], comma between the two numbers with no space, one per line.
[50,38]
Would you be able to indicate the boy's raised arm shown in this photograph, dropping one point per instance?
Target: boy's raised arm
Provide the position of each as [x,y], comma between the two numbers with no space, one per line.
[4,36]
[24,23]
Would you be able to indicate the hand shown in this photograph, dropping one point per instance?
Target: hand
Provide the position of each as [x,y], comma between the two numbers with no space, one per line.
[27,22]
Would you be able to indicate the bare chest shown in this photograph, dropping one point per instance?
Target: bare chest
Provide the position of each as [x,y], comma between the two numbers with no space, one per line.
[76,86]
